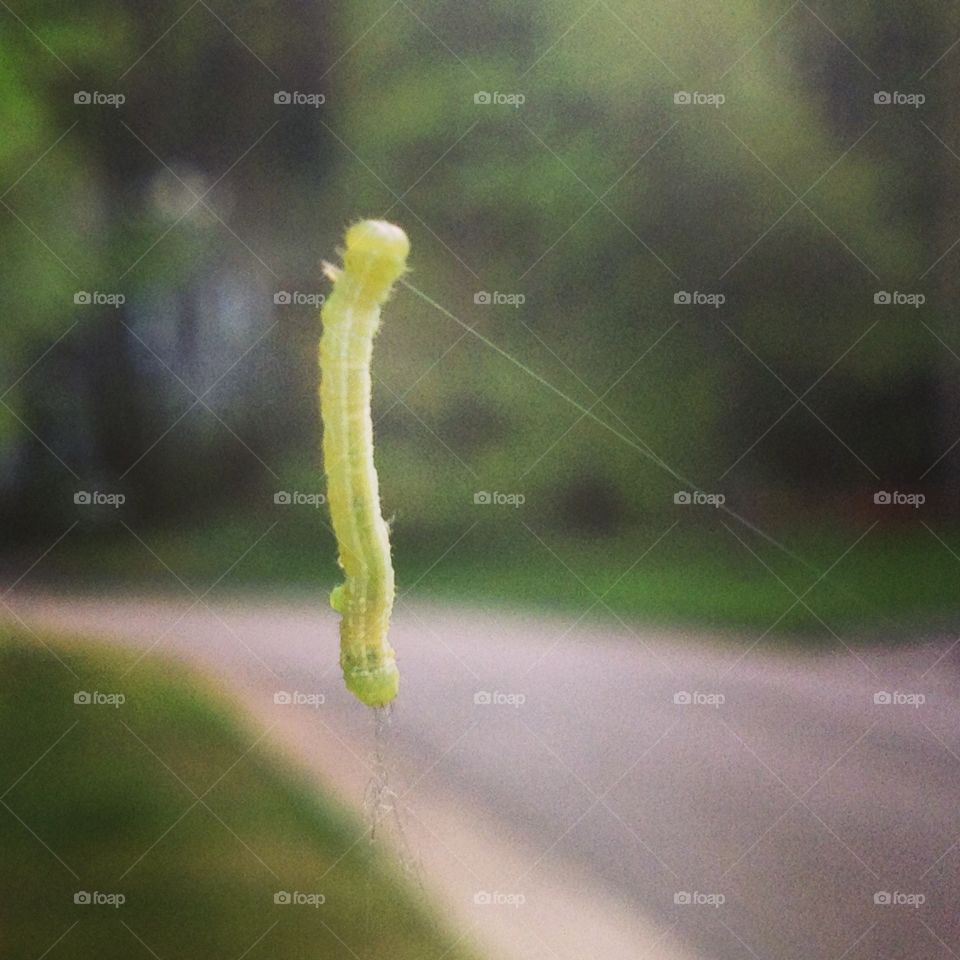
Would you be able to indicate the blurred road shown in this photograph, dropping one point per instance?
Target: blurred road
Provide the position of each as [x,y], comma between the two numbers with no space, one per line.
[751,804]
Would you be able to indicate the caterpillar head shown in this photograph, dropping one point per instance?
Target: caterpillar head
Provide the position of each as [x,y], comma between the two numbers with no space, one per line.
[376,254]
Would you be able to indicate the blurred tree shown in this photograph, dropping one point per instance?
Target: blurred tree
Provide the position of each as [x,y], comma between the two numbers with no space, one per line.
[535,152]
[160,200]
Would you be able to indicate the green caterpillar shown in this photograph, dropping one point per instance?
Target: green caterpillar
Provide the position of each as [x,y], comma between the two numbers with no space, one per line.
[375,257]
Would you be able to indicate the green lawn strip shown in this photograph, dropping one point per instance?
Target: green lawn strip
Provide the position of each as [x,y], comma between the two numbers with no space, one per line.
[692,577]
[104,802]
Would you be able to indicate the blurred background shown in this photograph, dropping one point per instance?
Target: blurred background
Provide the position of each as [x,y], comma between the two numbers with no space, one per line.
[719,241]
[582,199]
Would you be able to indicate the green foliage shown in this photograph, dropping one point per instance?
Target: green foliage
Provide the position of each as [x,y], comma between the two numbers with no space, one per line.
[597,200]
[599,92]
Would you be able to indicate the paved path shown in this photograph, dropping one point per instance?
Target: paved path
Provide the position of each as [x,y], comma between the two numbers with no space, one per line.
[759,820]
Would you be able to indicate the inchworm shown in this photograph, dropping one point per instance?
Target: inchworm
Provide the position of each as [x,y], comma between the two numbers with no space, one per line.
[375,257]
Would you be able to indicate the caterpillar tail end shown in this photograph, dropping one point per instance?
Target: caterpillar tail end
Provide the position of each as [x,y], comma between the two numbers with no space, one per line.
[375,687]
[373,681]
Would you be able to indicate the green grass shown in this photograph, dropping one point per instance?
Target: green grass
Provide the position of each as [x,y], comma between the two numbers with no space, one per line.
[884,589]
[892,583]
[98,798]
